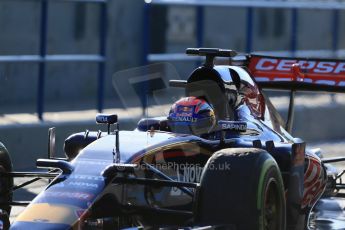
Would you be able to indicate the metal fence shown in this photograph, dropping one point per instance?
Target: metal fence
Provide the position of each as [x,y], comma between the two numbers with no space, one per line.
[250,5]
[42,58]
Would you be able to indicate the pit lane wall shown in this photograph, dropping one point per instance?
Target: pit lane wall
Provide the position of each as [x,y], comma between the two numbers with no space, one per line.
[28,141]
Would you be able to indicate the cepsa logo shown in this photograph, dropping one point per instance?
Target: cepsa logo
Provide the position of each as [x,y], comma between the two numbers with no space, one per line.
[311,66]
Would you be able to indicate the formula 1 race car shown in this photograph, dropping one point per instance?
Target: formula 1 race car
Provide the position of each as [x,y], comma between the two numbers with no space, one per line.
[221,158]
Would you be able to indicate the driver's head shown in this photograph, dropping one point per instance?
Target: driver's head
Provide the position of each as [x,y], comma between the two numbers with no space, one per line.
[191,115]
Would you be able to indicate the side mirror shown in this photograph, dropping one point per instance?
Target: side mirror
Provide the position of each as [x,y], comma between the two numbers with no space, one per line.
[51,142]
[108,119]
[65,166]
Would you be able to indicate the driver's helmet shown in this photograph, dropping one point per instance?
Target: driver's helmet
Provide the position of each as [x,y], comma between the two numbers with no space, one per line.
[191,115]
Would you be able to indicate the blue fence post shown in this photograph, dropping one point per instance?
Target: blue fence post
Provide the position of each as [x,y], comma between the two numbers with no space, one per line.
[249,30]
[145,52]
[199,29]
[42,64]
[293,38]
[199,26]
[146,33]
[102,51]
[335,28]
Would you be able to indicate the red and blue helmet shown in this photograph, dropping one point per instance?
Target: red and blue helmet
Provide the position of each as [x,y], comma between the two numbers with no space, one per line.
[191,115]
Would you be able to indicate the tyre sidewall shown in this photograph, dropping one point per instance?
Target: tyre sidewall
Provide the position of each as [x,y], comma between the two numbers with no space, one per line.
[236,197]
[270,171]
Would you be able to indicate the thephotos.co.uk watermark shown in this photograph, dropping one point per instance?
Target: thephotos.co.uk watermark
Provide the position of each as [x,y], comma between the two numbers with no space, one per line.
[183,166]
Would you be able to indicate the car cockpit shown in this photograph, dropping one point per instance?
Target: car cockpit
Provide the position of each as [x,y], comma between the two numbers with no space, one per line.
[226,88]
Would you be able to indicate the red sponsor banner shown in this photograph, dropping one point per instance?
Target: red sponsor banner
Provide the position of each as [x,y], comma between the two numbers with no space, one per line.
[316,71]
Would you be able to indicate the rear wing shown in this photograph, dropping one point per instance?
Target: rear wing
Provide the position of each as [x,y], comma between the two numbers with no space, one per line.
[298,74]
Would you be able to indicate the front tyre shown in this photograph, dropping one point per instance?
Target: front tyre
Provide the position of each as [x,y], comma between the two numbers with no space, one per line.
[6,183]
[242,187]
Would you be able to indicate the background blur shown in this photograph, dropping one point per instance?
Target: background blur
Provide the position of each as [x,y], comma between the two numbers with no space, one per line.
[57,58]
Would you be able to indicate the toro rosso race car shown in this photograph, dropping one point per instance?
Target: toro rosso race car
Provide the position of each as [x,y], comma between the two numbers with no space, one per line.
[221,158]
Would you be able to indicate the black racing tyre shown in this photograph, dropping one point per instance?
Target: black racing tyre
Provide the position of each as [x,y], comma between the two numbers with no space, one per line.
[4,220]
[243,188]
[6,183]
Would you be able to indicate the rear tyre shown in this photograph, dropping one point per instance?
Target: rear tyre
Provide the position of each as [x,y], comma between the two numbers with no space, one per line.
[242,187]
[6,183]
